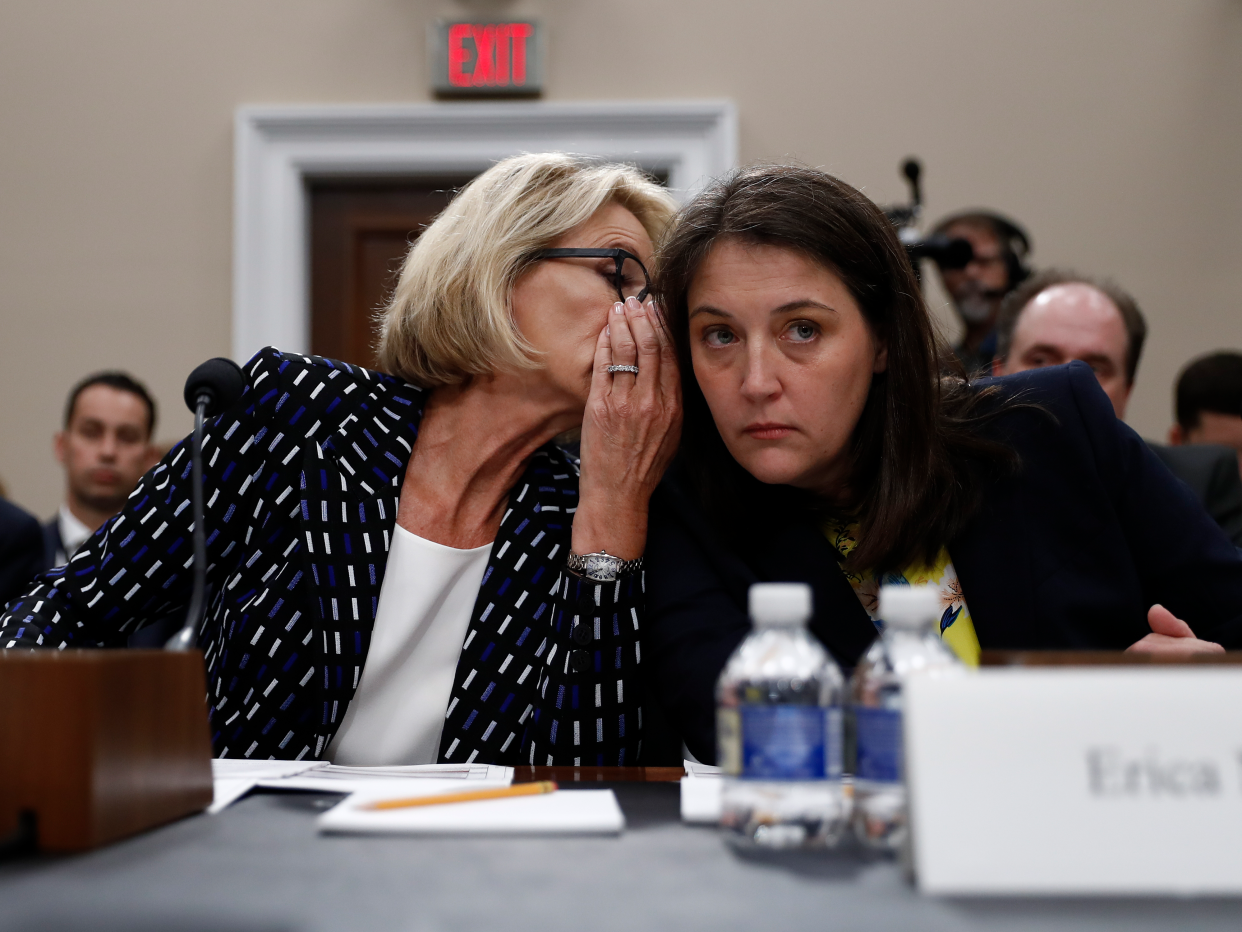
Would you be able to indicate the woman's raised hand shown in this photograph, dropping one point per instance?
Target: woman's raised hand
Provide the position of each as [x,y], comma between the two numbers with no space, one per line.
[629,433]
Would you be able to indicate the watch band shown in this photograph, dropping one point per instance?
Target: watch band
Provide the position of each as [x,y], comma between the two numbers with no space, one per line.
[601,566]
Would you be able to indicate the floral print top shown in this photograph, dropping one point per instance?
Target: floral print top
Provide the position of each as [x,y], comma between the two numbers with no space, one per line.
[956,628]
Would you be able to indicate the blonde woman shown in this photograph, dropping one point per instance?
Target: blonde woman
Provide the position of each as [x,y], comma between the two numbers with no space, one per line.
[405,569]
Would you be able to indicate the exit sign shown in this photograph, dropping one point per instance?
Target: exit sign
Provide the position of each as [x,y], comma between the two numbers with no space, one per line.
[486,59]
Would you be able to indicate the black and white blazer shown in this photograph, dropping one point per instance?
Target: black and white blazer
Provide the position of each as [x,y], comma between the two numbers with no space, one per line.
[302,478]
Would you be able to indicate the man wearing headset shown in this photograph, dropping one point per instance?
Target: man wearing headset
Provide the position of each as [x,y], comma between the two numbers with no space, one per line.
[1000,249]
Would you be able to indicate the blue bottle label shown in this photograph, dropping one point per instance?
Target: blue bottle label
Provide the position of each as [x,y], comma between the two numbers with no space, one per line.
[879,744]
[790,742]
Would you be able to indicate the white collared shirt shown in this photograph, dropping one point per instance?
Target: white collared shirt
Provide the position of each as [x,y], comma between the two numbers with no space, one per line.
[73,534]
[425,606]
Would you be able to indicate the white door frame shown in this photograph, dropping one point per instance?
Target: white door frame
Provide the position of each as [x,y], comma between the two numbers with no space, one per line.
[277,148]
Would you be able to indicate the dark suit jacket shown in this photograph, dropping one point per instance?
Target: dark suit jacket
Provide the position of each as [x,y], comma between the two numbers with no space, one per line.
[52,543]
[302,480]
[1211,472]
[1068,553]
[21,550]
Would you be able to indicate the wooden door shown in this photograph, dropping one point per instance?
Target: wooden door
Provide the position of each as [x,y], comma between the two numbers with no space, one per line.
[360,233]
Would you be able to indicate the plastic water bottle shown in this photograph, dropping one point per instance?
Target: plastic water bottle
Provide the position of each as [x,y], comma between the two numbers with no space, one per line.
[909,643]
[779,728]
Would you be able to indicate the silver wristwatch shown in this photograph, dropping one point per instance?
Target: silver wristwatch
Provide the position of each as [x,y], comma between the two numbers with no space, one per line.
[602,566]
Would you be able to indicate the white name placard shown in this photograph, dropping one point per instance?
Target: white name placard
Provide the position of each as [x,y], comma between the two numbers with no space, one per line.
[1103,780]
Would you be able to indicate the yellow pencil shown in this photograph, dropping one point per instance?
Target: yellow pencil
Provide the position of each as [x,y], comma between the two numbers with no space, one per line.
[504,792]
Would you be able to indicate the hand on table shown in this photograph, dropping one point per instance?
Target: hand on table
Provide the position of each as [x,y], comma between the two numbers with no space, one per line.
[629,433]
[1171,637]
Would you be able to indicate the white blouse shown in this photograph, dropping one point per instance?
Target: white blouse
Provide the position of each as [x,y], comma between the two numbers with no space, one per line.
[425,605]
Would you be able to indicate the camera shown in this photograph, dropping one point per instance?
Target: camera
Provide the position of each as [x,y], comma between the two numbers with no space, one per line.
[948,253]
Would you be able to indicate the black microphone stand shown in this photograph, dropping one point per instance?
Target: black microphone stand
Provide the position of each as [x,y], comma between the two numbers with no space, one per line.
[211,388]
[187,637]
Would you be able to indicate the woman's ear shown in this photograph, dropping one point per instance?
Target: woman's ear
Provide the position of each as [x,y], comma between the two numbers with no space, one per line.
[881,359]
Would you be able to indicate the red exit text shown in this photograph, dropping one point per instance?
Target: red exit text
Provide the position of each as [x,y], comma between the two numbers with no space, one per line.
[488,54]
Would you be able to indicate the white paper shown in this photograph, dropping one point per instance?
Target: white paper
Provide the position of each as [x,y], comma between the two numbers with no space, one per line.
[333,778]
[1100,780]
[695,769]
[226,792]
[234,778]
[233,768]
[701,800]
[563,812]
[701,790]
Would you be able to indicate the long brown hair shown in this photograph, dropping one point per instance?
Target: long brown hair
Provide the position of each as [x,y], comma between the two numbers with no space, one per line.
[919,457]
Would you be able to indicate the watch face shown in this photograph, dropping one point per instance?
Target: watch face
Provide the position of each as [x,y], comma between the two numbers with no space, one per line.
[601,566]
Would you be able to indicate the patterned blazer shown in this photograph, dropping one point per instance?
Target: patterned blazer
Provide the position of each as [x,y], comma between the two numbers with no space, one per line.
[302,479]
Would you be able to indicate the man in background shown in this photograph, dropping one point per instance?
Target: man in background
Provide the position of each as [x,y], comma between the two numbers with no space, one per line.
[999,265]
[1208,401]
[21,549]
[105,447]
[1059,316]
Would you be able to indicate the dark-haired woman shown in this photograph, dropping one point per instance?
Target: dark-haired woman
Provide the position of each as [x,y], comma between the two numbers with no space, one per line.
[822,445]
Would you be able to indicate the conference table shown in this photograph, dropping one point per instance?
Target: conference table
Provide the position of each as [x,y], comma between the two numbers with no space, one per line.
[260,866]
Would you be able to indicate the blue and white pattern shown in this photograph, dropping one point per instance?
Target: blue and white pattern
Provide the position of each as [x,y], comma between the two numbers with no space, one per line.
[302,480]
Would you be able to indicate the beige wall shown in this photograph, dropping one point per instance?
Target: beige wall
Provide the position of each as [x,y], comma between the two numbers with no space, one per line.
[1112,128]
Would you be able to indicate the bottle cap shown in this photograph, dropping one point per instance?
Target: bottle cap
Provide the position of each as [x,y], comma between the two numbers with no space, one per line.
[909,606]
[780,604]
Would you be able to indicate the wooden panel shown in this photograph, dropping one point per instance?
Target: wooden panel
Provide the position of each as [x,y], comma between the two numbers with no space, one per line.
[563,775]
[101,744]
[1099,658]
[360,233]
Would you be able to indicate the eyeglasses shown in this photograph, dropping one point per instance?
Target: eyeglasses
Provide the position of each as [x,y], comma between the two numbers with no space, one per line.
[630,279]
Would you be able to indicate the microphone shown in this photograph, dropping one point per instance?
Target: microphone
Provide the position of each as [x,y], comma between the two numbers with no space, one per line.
[219,381]
[912,168]
[213,387]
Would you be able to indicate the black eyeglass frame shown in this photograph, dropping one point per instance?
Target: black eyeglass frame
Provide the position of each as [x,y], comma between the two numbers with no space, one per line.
[620,255]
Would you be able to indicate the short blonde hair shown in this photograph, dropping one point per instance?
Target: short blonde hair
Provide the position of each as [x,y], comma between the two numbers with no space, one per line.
[450,316]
